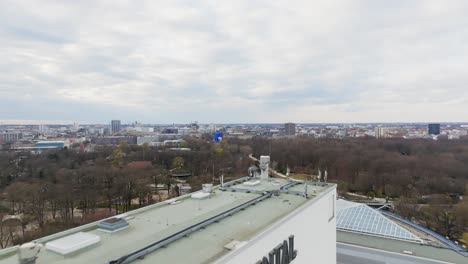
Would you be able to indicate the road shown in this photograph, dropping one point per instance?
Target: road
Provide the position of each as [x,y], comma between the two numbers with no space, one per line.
[351,254]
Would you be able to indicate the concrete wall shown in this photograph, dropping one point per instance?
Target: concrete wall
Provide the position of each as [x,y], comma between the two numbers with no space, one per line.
[314,234]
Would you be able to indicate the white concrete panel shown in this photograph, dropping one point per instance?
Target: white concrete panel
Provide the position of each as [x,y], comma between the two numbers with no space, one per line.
[72,243]
[314,235]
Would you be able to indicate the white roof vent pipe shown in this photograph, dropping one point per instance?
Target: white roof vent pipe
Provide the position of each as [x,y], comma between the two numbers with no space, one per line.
[27,252]
[200,195]
[206,191]
[207,188]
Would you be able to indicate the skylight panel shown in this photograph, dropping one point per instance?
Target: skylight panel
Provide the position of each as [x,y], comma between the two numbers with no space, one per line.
[363,219]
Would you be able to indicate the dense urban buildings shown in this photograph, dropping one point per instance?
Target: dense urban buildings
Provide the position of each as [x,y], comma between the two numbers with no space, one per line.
[24,136]
[114,140]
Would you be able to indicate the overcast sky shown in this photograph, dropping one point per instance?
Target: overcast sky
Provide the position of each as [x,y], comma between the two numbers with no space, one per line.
[234,61]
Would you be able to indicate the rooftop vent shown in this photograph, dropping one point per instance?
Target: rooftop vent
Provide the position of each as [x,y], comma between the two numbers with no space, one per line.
[112,225]
[27,252]
[206,191]
[72,243]
[252,183]
[207,188]
[276,183]
[200,195]
[235,244]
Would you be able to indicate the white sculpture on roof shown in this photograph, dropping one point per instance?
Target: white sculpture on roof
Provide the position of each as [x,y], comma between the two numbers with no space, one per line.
[264,165]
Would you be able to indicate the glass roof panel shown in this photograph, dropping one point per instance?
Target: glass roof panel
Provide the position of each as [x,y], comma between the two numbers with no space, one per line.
[360,218]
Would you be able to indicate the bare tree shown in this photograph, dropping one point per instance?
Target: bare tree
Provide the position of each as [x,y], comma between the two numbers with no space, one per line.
[10,230]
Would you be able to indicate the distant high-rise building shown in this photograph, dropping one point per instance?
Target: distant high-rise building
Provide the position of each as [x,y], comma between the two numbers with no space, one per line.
[170,131]
[290,129]
[380,132]
[75,127]
[433,129]
[212,128]
[42,128]
[10,137]
[115,126]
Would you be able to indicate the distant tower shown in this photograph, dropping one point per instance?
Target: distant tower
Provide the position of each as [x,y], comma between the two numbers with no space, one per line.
[212,128]
[115,126]
[42,128]
[264,165]
[290,129]
[75,126]
[433,129]
[380,132]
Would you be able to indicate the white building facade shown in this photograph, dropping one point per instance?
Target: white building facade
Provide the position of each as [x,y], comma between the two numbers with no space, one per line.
[314,229]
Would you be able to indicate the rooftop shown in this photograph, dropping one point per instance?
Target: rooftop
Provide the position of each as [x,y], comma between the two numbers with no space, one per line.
[360,218]
[361,225]
[238,211]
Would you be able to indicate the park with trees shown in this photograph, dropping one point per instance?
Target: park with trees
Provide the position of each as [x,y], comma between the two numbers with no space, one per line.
[59,189]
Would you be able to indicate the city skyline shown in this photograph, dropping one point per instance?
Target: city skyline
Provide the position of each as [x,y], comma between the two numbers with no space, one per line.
[134,122]
[243,62]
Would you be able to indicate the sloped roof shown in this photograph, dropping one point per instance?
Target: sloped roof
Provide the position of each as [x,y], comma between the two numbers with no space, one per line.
[360,218]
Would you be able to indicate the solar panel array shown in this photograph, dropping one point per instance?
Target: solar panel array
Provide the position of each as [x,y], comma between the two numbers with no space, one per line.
[363,219]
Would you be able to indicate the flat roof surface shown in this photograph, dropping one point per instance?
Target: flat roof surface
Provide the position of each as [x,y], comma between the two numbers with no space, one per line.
[351,254]
[443,255]
[153,223]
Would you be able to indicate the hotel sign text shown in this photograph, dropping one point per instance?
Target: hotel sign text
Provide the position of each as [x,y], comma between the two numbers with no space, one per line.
[284,253]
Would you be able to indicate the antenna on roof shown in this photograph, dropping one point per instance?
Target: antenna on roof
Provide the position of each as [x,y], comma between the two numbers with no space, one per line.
[212,173]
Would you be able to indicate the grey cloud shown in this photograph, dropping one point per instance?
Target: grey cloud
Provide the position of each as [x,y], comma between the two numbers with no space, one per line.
[212,61]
